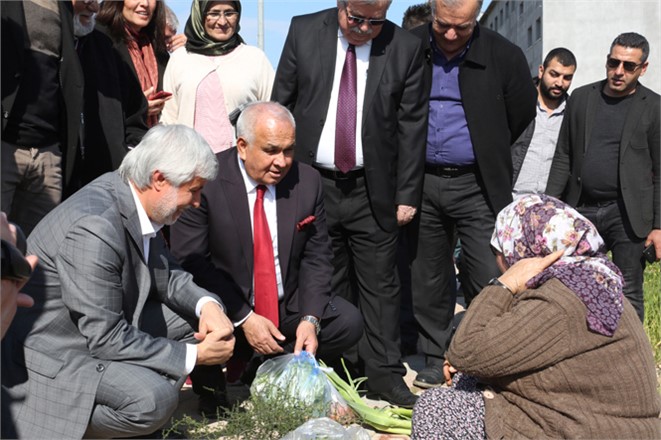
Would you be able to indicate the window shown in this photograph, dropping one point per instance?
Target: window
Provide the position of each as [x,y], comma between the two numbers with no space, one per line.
[538,26]
[501,17]
[496,26]
[521,8]
[529,36]
[507,9]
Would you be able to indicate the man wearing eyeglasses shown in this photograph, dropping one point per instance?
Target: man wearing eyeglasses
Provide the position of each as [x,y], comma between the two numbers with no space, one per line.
[607,161]
[481,99]
[353,81]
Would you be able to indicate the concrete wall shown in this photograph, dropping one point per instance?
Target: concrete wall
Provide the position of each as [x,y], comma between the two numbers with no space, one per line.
[586,27]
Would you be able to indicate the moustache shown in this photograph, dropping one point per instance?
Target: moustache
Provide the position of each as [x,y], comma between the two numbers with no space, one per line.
[357,30]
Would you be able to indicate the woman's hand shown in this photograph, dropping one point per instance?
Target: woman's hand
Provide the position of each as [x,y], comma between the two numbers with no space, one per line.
[516,277]
[154,106]
[448,372]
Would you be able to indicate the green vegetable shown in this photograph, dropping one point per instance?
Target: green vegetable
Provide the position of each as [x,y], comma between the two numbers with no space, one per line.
[394,420]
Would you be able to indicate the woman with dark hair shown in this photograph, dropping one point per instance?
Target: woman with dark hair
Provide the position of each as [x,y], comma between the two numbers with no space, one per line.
[137,30]
[551,348]
[215,73]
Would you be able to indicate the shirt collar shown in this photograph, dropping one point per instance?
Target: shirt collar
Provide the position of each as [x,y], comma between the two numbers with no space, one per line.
[249,182]
[147,227]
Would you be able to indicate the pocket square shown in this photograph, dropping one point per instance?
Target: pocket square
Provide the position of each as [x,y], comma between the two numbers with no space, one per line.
[305,222]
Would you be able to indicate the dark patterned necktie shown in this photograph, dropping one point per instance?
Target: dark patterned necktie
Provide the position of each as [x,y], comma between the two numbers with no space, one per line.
[345,123]
[266,289]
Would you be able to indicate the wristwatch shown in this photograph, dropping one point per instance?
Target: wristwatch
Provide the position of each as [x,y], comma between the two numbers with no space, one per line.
[314,321]
[497,282]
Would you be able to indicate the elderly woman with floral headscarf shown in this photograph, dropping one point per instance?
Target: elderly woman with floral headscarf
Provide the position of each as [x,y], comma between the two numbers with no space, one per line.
[551,349]
[215,73]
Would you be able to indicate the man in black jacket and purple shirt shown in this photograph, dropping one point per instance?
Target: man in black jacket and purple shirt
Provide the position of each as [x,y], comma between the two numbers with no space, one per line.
[481,100]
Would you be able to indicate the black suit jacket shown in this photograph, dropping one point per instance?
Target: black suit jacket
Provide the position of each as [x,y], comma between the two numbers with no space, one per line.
[114,110]
[639,154]
[395,109]
[499,100]
[214,242]
[14,42]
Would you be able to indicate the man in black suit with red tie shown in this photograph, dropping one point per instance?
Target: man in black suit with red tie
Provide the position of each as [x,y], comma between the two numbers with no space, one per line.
[284,304]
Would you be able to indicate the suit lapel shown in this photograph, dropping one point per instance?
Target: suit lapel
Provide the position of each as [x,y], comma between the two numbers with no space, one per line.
[326,49]
[632,119]
[232,186]
[286,208]
[590,111]
[378,60]
[131,222]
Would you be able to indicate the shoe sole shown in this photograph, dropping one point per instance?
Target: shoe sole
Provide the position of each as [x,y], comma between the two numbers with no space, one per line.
[426,385]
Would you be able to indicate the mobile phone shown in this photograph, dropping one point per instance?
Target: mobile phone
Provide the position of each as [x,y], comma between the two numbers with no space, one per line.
[160,95]
[650,253]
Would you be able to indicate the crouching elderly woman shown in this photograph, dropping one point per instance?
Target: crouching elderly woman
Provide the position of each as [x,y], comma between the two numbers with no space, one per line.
[551,349]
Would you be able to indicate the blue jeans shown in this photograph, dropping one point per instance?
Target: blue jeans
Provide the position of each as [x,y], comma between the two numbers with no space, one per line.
[610,219]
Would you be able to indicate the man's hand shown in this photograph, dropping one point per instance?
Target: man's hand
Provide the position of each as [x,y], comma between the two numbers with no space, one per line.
[516,277]
[655,237]
[448,372]
[215,349]
[405,214]
[261,334]
[306,338]
[213,319]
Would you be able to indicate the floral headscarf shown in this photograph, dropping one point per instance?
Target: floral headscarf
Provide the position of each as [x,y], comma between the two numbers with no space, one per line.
[536,225]
[197,39]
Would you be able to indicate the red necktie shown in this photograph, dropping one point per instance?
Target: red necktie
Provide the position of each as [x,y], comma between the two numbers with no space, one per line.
[345,124]
[266,289]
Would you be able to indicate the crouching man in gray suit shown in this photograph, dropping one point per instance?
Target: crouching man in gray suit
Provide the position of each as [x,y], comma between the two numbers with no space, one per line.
[112,335]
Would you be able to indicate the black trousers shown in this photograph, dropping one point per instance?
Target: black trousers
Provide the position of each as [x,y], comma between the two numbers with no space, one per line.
[450,205]
[365,273]
[610,219]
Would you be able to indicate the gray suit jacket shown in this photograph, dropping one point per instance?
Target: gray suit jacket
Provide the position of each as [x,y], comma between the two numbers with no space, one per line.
[90,289]
[640,154]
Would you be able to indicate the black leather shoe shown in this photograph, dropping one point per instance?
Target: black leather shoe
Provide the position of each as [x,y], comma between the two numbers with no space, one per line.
[430,377]
[400,395]
[213,405]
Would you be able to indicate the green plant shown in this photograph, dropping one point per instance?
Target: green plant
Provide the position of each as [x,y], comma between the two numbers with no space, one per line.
[652,293]
[255,419]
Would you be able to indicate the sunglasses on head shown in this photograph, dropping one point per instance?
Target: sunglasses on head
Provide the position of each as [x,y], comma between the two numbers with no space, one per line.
[629,66]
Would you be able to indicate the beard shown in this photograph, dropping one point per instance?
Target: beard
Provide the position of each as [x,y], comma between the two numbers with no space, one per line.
[80,29]
[546,91]
[166,211]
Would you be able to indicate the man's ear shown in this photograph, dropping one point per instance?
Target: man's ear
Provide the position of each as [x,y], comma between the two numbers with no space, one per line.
[158,180]
[241,146]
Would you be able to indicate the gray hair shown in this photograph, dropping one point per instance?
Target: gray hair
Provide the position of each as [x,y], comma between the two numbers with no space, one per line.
[635,41]
[343,3]
[257,111]
[177,151]
[455,4]
[171,19]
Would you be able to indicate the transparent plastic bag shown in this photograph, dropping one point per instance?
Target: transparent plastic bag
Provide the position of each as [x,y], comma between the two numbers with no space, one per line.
[299,379]
[327,429]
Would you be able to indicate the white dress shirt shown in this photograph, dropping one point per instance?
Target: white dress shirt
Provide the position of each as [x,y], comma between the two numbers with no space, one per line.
[326,149]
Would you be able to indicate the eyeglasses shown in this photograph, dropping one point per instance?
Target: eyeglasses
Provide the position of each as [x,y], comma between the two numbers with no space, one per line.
[215,15]
[629,66]
[360,20]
